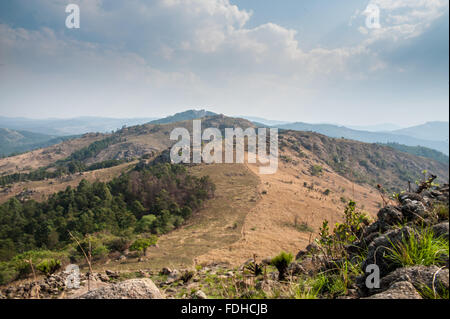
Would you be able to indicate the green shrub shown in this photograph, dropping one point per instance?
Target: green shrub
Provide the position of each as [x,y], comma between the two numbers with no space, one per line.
[343,233]
[352,227]
[49,266]
[146,224]
[316,170]
[332,285]
[100,252]
[118,244]
[424,249]
[8,273]
[281,262]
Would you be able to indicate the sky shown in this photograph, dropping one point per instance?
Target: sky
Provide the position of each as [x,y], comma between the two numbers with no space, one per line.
[292,60]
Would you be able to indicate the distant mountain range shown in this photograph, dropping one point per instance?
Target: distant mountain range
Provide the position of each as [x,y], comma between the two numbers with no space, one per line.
[431,135]
[73,126]
[264,121]
[429,131]
[384,127]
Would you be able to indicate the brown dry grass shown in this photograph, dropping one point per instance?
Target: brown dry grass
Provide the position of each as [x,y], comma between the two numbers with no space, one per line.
[219,224]
[269,227]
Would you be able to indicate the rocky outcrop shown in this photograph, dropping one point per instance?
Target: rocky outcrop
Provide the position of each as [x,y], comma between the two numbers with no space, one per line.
[415,214]
[129,289]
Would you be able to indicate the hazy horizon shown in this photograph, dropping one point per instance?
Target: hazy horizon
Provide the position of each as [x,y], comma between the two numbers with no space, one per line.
[313,62]
[351,126]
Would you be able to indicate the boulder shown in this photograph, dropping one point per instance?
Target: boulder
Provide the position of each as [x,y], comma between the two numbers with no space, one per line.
[199,295]
[310,249]
[378,248]
[130,289]
[419,276]
[413,210]
[441,229]
[409,196]
[389,215]
[399,290]
[295,269]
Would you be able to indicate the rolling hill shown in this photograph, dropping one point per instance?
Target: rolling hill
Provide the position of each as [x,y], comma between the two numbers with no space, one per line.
[421,151]
[368,137]
[357,161]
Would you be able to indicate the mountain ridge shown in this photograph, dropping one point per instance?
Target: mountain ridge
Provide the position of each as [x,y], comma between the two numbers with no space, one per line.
[365,136]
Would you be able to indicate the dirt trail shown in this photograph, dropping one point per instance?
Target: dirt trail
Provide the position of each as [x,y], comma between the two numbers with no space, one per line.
[217,225]
[271,226]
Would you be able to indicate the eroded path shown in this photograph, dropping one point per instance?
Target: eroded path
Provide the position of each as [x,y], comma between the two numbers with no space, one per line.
[218,225]
[292,208]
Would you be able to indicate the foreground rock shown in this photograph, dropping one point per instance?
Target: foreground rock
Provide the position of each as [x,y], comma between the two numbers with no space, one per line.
[399,290]
[129,289]
[416,215]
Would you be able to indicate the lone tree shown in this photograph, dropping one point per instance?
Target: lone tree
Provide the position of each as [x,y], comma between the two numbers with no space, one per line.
[141,244]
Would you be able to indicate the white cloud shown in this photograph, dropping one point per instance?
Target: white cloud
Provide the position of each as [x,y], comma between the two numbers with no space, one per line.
[404,19]
[190,51]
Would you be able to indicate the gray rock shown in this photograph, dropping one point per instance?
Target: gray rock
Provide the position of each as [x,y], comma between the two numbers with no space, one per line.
[441,230]
[310,249]
[381,245]
[295,269]
[390,215]
[409,196]
[130,289]
[166,271]
[419,276]
[413,210]
[399,290]
[200,295]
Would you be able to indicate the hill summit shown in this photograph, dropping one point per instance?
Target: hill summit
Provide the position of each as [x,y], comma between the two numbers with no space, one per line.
[184,116]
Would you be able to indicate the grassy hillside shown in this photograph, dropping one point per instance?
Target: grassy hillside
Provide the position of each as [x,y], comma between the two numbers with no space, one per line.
[421,151]
[368,137]
[365,163]
[357,161]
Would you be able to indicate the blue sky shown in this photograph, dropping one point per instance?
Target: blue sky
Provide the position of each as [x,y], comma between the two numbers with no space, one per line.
[295,60]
